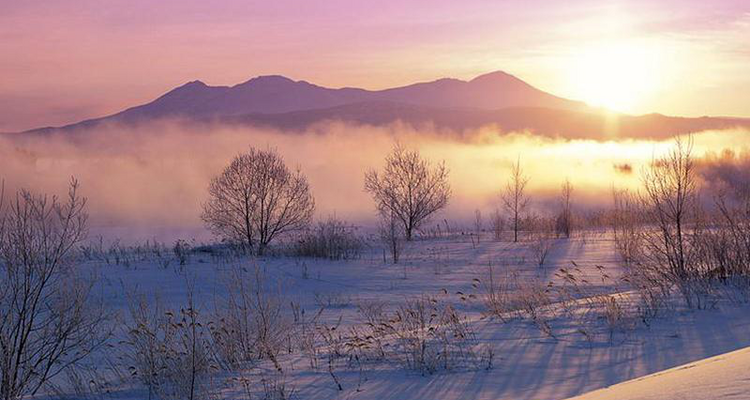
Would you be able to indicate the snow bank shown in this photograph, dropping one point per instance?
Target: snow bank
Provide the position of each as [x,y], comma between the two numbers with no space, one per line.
[723,377]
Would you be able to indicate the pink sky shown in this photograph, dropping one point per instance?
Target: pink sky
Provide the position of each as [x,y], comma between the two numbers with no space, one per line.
[64,61]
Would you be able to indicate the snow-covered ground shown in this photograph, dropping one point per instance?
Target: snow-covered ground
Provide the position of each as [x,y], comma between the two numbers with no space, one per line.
[726,376]
[528,363]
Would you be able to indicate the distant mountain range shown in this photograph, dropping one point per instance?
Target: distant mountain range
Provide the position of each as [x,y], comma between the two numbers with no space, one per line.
[496,99]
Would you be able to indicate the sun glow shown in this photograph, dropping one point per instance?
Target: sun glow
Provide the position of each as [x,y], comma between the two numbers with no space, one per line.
[617,75]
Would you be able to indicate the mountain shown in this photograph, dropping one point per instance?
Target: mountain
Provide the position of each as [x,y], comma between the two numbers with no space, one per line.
[278,94]
[498,99]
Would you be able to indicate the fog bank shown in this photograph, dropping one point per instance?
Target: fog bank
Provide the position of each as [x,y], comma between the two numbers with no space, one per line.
[149,181]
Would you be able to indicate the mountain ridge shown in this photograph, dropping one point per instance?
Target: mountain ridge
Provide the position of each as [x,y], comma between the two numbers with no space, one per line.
[497,98]
[279,94]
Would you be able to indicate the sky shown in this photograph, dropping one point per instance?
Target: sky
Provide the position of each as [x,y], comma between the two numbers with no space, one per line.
[64,61]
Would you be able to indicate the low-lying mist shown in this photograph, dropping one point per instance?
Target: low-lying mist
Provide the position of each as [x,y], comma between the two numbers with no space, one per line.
[149,181]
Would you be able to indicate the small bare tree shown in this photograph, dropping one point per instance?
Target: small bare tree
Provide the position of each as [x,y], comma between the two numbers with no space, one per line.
[391,235]
[564,220]
[49,319]
[478,223]
[409,188]
[256,199]
[498,224]
[514,197]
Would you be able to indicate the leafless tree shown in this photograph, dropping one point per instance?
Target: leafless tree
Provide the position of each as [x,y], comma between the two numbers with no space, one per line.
[670,241]
[409,188]
[670,197]
[257,198]
[498,224]
[514,197]
[478,223]
[564,222]
[49,319]
[391,235]
[724,247]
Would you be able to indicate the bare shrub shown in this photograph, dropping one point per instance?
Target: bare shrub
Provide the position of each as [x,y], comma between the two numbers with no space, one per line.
[50,319]
[428,335]
[147,339]
[653,292]
[542,239]
[677,238]
[626,222]
[331,299]
[506,296]
[498,224]
[334,348]
[81,383]
[251,323]
[587,305]
[541,246]
[514,197]
[587,308]
[170,351]
[616,314]
[372,313]
[276,387]
[256,199]
[532,300]
[731,250]
[307,336]
[496,292]
[181,250]
[409,189]
[333,239]
[670,200]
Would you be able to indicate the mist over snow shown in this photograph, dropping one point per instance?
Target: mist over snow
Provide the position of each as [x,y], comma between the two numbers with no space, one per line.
[150,180]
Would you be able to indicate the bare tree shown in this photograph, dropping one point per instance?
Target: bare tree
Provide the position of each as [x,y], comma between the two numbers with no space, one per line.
[409,188]
[564,221]
[390,235]
[514,197]
[670,197]
[256,199]
[671,239]
[478,223]
[49,319]
[498,224]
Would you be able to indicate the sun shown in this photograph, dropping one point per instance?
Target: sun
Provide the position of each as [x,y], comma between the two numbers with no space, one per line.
[615,75]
